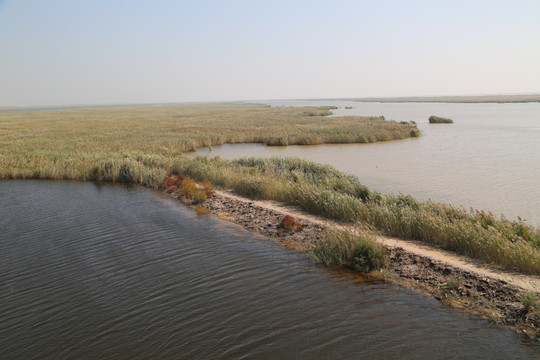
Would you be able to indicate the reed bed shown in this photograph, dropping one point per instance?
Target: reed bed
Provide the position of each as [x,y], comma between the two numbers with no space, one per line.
[93,143]
[324,191]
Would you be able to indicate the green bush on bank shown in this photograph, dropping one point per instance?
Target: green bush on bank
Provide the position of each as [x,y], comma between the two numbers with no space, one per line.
[345,248]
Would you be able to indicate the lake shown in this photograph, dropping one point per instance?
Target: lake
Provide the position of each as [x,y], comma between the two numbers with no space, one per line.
[488,159]
[93,271]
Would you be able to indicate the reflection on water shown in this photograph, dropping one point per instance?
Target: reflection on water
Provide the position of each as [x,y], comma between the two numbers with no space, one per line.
[109,272]
[488,159]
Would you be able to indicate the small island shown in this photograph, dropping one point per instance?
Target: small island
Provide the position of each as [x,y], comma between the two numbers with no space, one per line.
[439,120]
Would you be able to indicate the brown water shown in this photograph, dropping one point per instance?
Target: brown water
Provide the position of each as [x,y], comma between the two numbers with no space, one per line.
[109,272]
[488,159]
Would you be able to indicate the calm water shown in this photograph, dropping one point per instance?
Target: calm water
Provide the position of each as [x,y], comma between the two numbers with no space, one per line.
[488,159]
[89,272]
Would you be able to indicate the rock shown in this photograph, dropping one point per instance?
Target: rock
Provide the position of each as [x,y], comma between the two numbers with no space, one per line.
[289,223]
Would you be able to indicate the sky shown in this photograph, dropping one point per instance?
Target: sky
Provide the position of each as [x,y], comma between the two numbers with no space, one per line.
[64,52]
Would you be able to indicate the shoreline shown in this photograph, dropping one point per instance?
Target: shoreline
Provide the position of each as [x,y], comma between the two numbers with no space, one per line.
[454,280]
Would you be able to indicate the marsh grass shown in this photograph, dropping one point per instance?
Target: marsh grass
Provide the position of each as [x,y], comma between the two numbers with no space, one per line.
[129,144]
[324,191]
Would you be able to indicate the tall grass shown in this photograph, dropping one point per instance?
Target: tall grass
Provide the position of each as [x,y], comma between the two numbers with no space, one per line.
[324,191]
[77,144]
[340,247]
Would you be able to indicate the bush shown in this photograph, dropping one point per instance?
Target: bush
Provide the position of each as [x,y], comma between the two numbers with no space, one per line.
[439,120]
[199,196]
[528,300]
[208,188]
[368,256]
[356,250]
[335,248]
[188,188]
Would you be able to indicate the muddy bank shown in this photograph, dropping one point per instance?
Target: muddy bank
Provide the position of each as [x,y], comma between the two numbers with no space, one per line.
[263,220]
[488,296]
[491,298]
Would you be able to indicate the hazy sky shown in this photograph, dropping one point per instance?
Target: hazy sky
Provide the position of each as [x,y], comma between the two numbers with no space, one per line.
[58,52]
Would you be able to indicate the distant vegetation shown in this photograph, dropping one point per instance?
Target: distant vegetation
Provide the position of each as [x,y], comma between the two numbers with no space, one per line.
[138,142]
[439,120]
[459,99]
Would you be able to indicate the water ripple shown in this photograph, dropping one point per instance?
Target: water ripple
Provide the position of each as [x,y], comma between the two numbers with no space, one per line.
[92,272]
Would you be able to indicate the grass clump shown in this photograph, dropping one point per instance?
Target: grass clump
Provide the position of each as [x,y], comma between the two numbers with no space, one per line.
[346,248]
[368,256]
[439,120]
[450,287]
[528,301]
[530,312]
[188,190]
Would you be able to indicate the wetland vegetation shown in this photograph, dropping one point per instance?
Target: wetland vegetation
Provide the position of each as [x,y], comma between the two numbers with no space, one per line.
[145,143]
[104,143]
[439,120]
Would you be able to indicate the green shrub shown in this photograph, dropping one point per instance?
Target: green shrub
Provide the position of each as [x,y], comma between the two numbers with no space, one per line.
[358,251]
[368,256]
[439,120]
[528,300]
[335,248]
